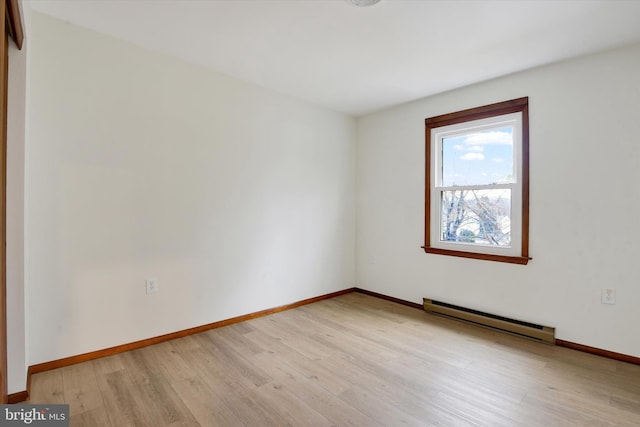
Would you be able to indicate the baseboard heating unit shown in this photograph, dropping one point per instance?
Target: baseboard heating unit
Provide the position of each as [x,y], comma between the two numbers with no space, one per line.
[532,331]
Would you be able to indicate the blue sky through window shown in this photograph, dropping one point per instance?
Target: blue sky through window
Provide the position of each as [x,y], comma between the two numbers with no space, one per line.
[478,158]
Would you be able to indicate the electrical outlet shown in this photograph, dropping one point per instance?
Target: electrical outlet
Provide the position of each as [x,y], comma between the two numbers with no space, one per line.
[608,296]
[152,286]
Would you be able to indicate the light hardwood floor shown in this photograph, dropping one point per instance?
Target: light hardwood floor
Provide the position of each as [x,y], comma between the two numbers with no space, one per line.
[353,360]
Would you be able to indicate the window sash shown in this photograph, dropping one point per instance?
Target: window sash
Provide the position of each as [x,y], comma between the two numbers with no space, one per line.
[515,222]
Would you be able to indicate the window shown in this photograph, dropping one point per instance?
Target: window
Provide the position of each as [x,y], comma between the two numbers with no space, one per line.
[477,183]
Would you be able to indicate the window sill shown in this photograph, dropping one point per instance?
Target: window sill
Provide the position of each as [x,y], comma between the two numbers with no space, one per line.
[476,255]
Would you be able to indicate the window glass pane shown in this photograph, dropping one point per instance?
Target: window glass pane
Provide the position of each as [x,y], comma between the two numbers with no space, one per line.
[478,158]
[482,217]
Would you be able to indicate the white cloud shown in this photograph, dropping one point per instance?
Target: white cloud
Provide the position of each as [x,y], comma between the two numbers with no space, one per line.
[489,138]
[473,156]
[458,147]
[476,148]
[498,160]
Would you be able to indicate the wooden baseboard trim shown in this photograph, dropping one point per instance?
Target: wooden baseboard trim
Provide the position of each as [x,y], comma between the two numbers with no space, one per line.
[41,367]
[72,360]
[560,343]
[18,397]
[59,363]
[388,298]
[599,352]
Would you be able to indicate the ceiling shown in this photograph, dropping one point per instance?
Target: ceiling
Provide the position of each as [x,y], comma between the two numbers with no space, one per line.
[359,60]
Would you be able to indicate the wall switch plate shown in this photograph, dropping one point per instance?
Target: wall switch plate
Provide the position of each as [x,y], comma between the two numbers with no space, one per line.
[608,296]
[152,286]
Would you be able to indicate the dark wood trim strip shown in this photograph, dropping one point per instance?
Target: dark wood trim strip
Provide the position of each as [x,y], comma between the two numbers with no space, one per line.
[21,396]
[560,343]
[29,372]
[41,367]
[4,71]
[18,397]
[599,352]
[46,366]
[11,26]
[525,182]
[388,298]
[477,255]
[476,113]
[15,22]
[427,189]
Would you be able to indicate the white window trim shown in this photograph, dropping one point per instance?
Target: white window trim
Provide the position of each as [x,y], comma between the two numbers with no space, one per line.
[437,136]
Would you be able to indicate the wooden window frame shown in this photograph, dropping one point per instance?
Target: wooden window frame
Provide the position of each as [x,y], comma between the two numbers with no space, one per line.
[520,105]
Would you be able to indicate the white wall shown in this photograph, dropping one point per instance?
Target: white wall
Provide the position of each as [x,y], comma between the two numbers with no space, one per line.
[235,198]
[238,199]
[585,168]
[16,319]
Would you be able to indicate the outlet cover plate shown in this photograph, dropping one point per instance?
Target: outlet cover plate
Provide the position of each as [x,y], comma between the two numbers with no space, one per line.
[608,296]
[152,286]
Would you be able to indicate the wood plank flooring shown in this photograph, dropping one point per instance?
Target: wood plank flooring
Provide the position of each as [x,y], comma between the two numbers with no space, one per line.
[353,360]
